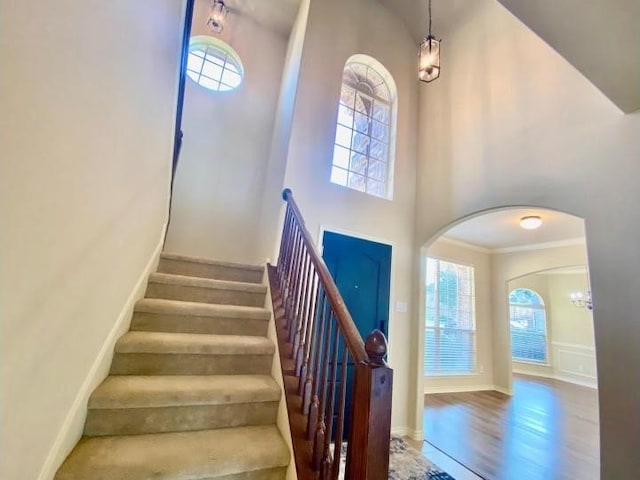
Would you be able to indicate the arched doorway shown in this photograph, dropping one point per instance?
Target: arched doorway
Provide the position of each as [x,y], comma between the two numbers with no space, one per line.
[466,343]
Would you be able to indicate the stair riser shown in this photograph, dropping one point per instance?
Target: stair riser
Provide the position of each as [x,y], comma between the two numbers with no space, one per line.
[135,421]
[205,295]
[153,322]
[187,364]
[204,270]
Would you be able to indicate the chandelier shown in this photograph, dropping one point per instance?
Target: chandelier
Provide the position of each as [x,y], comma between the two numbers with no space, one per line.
[429,66]
[581,300]
[217,16]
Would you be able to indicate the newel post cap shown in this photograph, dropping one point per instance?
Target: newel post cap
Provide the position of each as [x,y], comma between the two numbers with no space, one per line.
[376,348]
[286,193]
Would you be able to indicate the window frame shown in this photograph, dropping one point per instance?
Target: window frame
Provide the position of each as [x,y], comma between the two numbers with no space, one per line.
[344,156]
[437,329]
[541,307]
[227,61]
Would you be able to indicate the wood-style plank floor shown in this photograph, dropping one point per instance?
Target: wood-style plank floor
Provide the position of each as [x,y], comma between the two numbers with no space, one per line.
[548,430]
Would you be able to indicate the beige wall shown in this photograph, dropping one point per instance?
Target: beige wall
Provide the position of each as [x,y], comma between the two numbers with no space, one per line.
[272,205]
[509,122]
[361,27]
[227,136]
[86,134]
[573,340]
[482,379]
[577,323]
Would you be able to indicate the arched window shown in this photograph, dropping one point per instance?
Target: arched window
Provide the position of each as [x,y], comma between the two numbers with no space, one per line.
[365,133]
[213,64]
[528,326]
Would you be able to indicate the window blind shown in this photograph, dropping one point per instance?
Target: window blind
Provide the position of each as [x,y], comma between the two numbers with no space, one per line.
[528,326]
[450,324]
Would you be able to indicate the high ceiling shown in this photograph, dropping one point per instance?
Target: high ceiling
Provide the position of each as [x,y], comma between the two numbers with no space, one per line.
[600,38]
[501,229]
[278,15]
[446,14]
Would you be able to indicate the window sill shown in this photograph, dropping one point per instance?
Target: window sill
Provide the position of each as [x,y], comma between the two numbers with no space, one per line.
[454,374]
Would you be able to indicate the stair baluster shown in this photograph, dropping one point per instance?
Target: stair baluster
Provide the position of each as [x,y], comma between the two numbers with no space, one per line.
[320,339]
[306,346]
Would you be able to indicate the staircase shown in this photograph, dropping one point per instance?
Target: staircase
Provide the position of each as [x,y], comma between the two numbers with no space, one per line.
[190,394]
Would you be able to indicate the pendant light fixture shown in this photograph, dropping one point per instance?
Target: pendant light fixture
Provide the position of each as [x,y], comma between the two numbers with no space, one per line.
[429,67]
[217,16]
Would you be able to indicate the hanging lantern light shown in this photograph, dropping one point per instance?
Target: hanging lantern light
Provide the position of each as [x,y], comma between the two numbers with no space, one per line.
[429,67]
[217,16]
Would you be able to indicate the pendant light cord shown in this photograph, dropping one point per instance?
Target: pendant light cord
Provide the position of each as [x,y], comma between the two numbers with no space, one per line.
[429,17]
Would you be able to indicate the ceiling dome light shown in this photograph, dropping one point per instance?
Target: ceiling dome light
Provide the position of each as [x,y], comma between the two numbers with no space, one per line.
[531,222]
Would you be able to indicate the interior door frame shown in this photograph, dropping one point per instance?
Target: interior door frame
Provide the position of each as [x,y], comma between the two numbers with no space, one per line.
[392,277]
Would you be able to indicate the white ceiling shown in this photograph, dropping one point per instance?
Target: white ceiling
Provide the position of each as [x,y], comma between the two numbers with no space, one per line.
[501,229]
[277,15]
[446,14]
[600,38]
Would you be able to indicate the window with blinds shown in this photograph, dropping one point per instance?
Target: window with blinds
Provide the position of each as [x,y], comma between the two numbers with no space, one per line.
[450,344]
[528,326]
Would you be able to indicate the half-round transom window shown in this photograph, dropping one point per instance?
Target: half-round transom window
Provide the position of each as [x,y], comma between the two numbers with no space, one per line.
[213,64]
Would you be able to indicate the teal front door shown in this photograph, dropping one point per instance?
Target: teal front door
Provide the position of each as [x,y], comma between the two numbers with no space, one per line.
[362,272]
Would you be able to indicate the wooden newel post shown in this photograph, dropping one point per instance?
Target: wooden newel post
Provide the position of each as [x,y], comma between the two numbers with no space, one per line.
[370,432]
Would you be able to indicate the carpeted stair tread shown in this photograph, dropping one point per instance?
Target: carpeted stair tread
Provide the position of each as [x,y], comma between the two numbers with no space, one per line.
[201,455]
[197,309]
[198,282]
[185,258]
[133,391]
[193,343]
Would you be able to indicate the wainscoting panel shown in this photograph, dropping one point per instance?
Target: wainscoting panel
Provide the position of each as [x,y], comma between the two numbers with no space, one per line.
[575,363]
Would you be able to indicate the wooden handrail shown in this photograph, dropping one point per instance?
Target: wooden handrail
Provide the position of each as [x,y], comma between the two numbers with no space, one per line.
[325,357]
[347,326]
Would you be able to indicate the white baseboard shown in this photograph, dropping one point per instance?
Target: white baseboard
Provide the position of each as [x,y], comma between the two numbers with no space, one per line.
[588,381]
[506,391]
[535,373]
[282,419]
[593,383]
[402,431]
[73,424]
[417,435]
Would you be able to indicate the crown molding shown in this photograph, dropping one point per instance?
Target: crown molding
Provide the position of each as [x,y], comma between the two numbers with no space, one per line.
[541,246]
[520,248]
[468,246]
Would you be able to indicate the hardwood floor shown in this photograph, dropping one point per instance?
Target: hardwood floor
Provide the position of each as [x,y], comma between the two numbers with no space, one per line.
[548,430]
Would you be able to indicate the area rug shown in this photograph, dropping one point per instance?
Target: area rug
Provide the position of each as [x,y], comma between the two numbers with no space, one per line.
[405,463]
